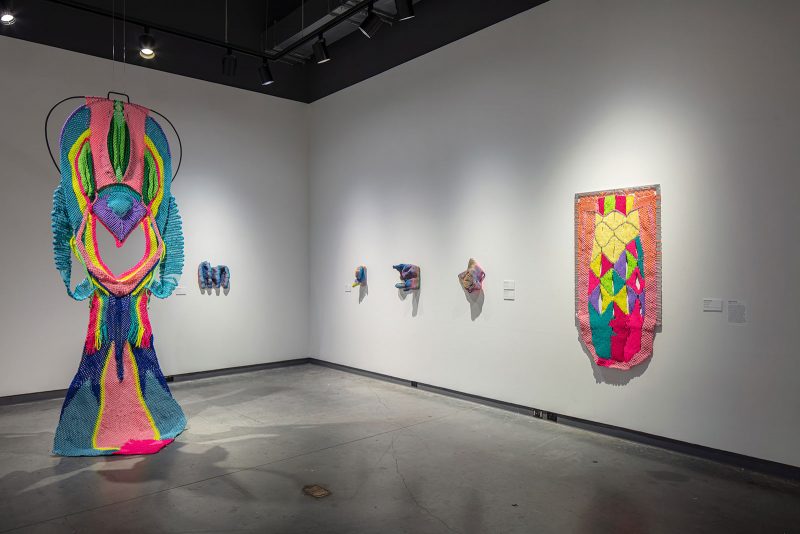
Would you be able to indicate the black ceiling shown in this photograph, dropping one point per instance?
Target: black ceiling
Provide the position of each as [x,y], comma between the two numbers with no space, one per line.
[354,57]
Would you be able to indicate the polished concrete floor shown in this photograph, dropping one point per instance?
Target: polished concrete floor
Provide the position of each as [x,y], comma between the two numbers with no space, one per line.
[396,459]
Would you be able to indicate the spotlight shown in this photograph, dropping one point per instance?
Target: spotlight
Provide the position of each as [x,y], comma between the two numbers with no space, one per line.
[7,19]
[405,9]
[371,24]
[321,51]
[229,64]
[264,74]
[147,45]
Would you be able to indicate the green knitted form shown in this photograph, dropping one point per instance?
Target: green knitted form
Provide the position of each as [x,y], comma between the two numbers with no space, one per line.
[119,146]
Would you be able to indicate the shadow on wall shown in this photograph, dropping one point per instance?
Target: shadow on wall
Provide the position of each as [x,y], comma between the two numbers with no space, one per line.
[215,291]
[403,295]
[475,300]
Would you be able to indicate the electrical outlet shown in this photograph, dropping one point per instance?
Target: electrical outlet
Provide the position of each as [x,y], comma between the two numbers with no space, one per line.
[541,414]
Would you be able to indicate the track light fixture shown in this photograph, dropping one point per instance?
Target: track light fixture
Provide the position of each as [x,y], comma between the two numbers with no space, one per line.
[405,9]
[264,74]
[7,18]
[371,24]
[321,50]
[147,45]
[147,48]
[229,64]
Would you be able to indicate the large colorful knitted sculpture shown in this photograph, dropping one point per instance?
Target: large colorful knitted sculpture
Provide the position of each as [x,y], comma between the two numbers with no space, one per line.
[618,274]
[116,172]
[409,276]
[472,279]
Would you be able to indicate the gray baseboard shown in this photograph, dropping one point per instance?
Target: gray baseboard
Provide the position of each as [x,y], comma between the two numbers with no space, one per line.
[236,370]
[32,397]
[60,393]
[717,455]
[731,458]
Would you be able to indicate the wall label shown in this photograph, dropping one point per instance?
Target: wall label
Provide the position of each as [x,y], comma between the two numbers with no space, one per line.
[509,290]
[737,312]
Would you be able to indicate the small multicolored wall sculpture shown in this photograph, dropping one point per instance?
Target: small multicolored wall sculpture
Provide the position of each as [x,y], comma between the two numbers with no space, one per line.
[209,277]
[116,173]
[361,276]
[472,278]
[224,276]
[204,279]
[618,273]
[409,274]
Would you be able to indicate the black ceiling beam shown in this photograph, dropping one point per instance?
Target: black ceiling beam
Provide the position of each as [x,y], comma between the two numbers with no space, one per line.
[277,56]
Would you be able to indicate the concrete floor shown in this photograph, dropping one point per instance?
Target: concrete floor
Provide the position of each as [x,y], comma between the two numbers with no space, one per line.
[396,460]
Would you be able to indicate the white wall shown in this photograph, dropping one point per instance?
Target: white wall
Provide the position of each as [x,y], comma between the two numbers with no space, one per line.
[477,150]
[473,150]
[242,192]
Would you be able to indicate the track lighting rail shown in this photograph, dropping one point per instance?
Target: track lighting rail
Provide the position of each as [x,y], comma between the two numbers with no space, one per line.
[271,56]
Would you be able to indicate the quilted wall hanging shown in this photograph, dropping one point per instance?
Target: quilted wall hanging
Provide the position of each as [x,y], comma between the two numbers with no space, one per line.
[116,173]
[618,273]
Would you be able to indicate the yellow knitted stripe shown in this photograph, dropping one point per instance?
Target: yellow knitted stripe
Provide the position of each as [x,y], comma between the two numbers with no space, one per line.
[76,180]
[97,285]
[160,164]
[88,242]
[102,401]
[140,329]
[156,433]
[145,281]
[98,335]
[91,252]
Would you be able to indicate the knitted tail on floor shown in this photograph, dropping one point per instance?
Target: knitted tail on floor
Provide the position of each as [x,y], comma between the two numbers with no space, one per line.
[119,401]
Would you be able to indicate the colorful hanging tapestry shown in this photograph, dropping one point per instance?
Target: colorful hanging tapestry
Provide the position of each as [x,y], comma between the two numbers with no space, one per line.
[115,174]
[618,273]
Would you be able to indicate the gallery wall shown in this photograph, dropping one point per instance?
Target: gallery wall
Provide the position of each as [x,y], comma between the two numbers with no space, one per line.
[242,192]
[478,148]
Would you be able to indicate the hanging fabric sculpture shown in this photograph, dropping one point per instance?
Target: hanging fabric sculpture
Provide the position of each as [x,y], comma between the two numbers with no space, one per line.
[361,276]
[204,275]
[618,273]
[224,276]
[409,276]
[472,279]
[209,277]
[116,172]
